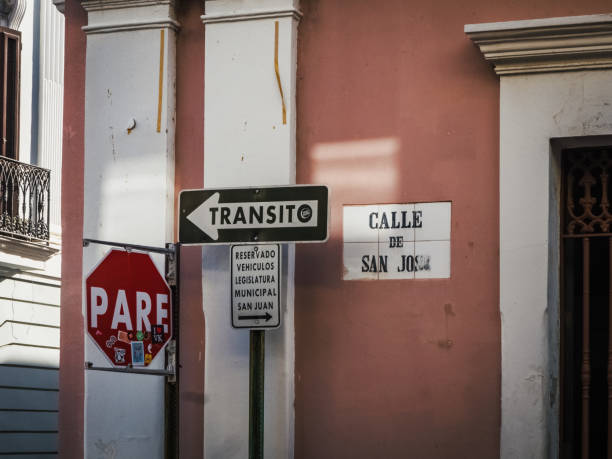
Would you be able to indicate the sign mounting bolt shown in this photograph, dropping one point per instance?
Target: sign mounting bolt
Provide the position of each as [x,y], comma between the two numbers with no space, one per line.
[131,125]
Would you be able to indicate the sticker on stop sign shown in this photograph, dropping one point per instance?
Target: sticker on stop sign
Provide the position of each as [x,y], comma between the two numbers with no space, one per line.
[129,308]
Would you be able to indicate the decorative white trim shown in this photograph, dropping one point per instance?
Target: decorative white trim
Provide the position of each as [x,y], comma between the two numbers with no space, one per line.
[106,16]
[252,15]
[545,45]
[102,5]
[136,25]
[21,255]
[16,16]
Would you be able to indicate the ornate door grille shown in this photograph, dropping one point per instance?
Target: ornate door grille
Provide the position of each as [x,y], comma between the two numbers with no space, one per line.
[586,318]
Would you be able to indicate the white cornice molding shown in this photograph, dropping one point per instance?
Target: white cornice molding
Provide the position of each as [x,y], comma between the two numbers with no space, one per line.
[60,5]
[106,16]
[22,255]
[104,5]
[135,25]
[235,16]
[545,45]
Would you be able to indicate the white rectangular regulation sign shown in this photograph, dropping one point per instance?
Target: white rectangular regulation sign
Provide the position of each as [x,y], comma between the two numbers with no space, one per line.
[255,273]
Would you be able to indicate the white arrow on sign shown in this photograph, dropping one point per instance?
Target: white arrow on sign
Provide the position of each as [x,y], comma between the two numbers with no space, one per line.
[211,216]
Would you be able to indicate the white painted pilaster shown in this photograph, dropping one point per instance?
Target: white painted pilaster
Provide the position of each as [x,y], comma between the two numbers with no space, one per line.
[539,100]
[247,143]
[129,191]
[50,102]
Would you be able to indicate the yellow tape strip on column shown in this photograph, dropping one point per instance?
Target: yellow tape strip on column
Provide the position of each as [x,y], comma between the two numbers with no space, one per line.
[280,87]
[161,79]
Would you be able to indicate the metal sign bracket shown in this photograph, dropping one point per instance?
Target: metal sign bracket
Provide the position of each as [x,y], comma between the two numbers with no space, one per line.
[171,392]
[171,254]
[131,369]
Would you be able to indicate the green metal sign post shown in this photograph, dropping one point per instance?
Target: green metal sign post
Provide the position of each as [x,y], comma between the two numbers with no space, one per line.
[256,393]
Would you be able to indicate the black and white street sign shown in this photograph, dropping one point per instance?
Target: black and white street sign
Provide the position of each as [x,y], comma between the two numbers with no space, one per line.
[397,241]
[253,215]
[255,286]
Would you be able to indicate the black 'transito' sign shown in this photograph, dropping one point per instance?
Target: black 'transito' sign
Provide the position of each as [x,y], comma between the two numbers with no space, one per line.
[272,214]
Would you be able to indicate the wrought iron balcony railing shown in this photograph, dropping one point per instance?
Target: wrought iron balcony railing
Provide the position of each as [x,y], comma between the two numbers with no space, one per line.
[24,200]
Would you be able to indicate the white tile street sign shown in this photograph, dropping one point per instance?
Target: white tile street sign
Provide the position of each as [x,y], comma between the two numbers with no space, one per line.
[397,241]
[255,286]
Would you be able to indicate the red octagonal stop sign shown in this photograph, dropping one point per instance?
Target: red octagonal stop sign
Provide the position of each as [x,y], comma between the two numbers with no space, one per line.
[129,310]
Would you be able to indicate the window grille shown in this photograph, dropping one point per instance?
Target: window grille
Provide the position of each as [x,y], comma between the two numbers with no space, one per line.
[24,189]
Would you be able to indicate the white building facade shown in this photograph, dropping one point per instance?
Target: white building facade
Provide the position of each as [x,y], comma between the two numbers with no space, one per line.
[30,233]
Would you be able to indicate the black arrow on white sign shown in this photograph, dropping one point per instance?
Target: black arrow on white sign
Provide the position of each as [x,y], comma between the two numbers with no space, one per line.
[267,316]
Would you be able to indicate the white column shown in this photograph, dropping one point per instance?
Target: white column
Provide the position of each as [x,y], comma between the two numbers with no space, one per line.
[50,103]
[247,142]
[129,191]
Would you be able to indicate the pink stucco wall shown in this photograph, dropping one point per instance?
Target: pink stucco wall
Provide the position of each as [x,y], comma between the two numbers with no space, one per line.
[396,369]
[72,357]
[386,369]
[189,175]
